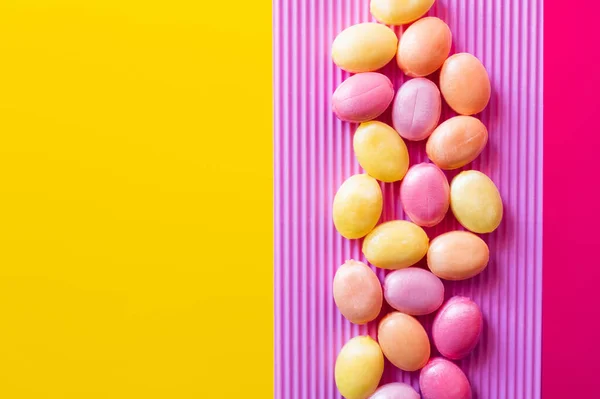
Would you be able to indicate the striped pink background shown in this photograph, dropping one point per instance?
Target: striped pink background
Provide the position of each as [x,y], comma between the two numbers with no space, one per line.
[313,155]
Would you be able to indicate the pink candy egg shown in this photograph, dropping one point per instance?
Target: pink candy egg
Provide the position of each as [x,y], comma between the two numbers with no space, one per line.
[357,292]
[417,108]
[362,97]
[425,194]
[457,327]
[396,390]
[442,379]
[413,291]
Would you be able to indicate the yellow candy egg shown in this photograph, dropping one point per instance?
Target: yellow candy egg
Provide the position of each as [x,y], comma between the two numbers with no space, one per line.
[364,47]
[395,245]
[357,206]
[399,12]
[475,202]
[358,368]
[381,151]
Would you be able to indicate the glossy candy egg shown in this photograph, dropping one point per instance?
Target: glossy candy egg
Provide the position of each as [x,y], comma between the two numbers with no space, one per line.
[362,97]
[358,368]
[357,292]
[380,151]
[413,291]
[357,206]
[403,341]
[364,47]
[457,327]
[417,109]
[465,84]
[476,202]
[395,245]
[424,47]
[457,255]
[425,194]
[442,379]
[457,142]
[396,390]
[399,12]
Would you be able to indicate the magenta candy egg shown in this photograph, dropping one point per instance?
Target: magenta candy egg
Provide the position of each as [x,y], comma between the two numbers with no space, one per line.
[362,97]
[396,390]
[413,291]
[417,108]
[457,327]
[442,379]
[425,194]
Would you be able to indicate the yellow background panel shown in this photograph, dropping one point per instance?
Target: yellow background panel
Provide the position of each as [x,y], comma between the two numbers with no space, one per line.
[135,199]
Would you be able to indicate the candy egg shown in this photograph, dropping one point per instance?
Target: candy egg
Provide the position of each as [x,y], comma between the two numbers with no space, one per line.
[399,12]
[362,97]
[425,194]
[357,206]
[413,291]
[403,341]
[457,327]
[364,47]
[424,47]
[358,368]
[457,255]
[395,245]
[396,390]
[417,108]
[442,379]
[380,151]
[465,84]
[476,202]
[456,142]
[357,292]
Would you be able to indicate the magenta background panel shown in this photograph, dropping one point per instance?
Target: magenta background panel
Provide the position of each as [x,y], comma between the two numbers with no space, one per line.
[313,155]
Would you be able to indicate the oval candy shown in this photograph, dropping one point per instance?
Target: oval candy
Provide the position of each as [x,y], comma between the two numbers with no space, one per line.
[395,245]
[417,108]
[457,327]
[403,341]
[357,292]
[465,84]
[476,202]
[396,390]
[364,47]
[457,142]
[399,12]
[413,291]
[380,151]
[425,194]
[357,206]
[362,97]
[442,379]
[358,368]
[424,47]
[457,255]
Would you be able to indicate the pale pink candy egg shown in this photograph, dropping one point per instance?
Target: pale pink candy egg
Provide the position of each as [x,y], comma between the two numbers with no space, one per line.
[357,292]
[457,327]
[425,194]
[417,108]
[362,97]
[442,379]
[413,291]
[396,390]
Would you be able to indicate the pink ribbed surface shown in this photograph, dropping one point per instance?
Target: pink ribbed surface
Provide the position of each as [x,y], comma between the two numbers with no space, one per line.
[313,155]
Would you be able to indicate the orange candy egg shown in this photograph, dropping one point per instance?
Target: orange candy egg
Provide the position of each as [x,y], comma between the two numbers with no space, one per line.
[456,142]
[357,292]
[465,84]
[424,47]
[404,341]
